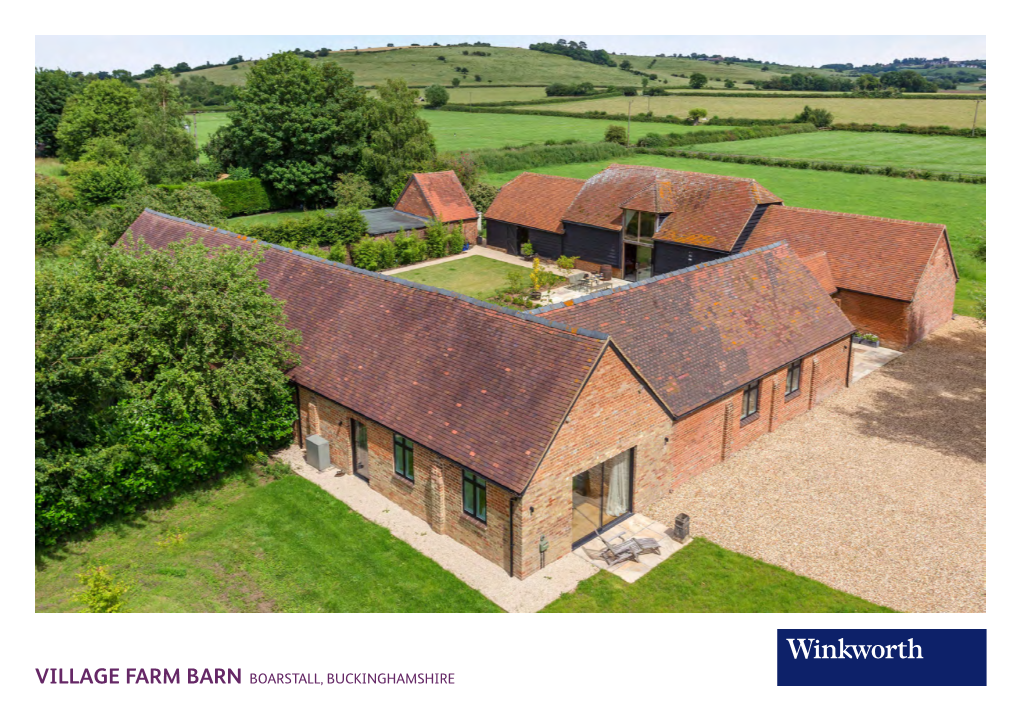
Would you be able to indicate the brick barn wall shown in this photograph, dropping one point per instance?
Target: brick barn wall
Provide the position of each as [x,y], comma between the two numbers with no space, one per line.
[887,318]
[613,413]
[712,434]
[936,293]
[436,495]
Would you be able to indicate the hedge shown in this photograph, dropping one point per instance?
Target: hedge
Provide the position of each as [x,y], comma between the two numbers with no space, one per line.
[239,197]
[501,161]
[913,129]
[823,95]
[319,229]
[696,137]
[590,115]
[854,168]
[716,120]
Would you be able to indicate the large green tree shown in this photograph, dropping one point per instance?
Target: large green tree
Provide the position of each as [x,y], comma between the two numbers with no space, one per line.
[400,142]
[297,126]
[162,150]
[104,109]
[53,88]
[154,370]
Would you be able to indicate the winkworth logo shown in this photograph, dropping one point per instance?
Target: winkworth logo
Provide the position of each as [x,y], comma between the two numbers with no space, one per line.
[881,657]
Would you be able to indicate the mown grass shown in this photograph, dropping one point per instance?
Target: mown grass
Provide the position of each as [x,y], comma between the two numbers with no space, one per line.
[51,167]
[476,276]
[961,207]
[954,113]
[467,131]
[706,578]
[924,152]
[273,218]
[252,543]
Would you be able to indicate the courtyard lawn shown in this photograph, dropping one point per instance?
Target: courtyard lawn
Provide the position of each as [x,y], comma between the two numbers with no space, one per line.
[916,111]
[476,276]
[706,578]
[255,544]
[923,152]
[961,206]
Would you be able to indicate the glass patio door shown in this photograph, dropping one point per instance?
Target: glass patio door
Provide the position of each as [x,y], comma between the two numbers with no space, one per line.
[602,495]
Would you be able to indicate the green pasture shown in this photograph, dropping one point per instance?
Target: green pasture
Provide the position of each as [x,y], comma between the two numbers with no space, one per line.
[924,152]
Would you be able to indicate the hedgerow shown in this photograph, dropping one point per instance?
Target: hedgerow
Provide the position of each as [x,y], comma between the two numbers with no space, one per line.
[912,129]
[319,229]
[239,197]
[697,137]
[500,161]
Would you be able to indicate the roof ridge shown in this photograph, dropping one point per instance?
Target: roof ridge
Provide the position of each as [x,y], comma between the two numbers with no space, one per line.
[860,215]
[522,315]
[654,279]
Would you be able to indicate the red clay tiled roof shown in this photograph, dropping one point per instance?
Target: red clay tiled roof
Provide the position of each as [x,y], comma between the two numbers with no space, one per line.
[536,201]
[818,264]
[703,331]
[879,256]
[705,210]
[484,386]
[442,195]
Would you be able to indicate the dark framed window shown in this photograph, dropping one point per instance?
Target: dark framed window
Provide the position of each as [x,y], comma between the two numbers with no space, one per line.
[474,495]
[750,401]
[793,378]
[642,225]
[403,457]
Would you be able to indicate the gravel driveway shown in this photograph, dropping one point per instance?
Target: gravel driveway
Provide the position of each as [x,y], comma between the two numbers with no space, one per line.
[880,491]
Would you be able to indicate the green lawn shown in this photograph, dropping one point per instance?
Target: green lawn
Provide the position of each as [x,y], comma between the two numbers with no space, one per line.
[925,152]
[476,276]
[470,131]
[208,123]
[706,578]
[51,167]
[917,111]
[252,544]
[960,206]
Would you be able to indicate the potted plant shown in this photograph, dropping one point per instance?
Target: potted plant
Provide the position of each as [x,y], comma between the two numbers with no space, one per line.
[528,250]
[867,339]
[536,279]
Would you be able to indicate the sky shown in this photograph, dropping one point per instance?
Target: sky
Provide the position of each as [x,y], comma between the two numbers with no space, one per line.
[140,52]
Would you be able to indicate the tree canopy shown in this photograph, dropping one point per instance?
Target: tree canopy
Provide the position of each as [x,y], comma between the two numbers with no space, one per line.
[104,109]
[400,141]
[53,88]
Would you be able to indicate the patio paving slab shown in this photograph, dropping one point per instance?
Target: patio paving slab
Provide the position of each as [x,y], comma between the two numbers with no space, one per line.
[868,359]
[511,594]
[637,526]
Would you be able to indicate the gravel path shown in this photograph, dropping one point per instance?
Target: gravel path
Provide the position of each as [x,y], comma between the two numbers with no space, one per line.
[879,491]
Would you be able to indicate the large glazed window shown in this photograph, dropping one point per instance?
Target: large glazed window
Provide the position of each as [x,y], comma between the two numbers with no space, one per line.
[602,495]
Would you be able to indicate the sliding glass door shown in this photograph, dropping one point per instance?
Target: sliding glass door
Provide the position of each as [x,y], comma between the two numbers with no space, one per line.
[602,495]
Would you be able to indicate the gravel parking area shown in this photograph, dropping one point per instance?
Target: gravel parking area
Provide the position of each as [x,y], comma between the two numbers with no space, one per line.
[879,491]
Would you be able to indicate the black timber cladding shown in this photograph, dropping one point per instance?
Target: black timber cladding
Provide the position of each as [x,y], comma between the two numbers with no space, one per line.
[387,220]
[499,234]
[546,244]
[673,256]
[595,245]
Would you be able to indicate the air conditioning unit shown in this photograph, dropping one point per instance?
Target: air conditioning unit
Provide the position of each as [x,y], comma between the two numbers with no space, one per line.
[317,449]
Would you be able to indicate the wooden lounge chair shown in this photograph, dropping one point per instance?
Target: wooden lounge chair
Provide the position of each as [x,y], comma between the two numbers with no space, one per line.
[626,550]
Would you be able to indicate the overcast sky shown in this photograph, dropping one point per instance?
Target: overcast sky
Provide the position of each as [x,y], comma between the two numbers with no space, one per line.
[139,52]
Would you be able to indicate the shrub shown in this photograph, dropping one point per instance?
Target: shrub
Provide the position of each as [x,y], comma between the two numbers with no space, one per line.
[239,174]
[239,197]
[455,240]
[100,593]
[435,239]
[436,96]
[97,184]
[527,249]
[365,254]
[482,195]
[410,248]
[616,134]
[729,83]
[566,262]
[696,114]
[455,82]
[629,91]
[819,117]
[352,191]
[655,91]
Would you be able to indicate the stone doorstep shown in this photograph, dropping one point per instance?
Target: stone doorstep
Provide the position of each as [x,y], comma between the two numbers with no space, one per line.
[868,359]
[511,594]
[637,526]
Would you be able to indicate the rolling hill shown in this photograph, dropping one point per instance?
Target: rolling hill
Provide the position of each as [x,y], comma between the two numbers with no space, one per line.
[506,66]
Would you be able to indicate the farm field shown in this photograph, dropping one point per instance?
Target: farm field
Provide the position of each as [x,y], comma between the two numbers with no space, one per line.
[208,123]
[480,94]
[471,131]
[954,113]
[925,152]
[961,206]
[255,544]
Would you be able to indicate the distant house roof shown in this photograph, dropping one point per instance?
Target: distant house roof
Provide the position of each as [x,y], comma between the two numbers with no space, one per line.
[704,210]
[436,195]
[536,201]
[698,333]
[485,386]
[879,256]
[387,220]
